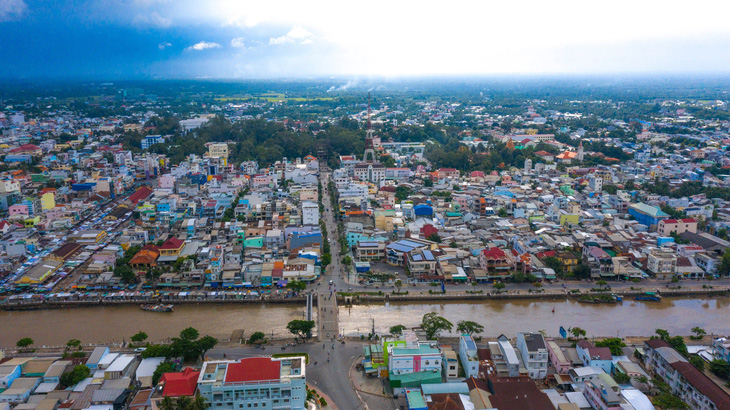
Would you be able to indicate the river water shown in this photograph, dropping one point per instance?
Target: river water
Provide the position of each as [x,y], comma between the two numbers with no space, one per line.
[115,323]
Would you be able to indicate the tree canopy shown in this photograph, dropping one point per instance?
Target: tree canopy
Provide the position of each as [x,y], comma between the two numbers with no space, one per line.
[434,324]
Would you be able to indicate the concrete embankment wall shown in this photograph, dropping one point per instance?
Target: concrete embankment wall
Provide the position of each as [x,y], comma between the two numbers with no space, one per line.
[626,294]
[97,303]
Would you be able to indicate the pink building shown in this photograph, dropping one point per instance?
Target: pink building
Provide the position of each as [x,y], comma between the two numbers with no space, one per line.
[557,357]
[18,209]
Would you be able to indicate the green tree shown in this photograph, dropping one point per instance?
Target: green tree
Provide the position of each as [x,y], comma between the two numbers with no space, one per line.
[434,237]
[396,330]
[73,343]
[613,343]
[189,333]
[469,327]
[301,328]
[167,403]
[554,264]
[669,401]
[76,375]
[698,362]
[296,285]
[157,351]
[720,368]
[398,284]
[402,193]
[204,344]
[24,342]
[139,337]
[347,260]
[183,402]
[724,268]
[502,213]
[433,324]
[699,333]
[621,378]
[582,271]
[498,285]
[162,368]
[257,338]
[199,402]
[578,332]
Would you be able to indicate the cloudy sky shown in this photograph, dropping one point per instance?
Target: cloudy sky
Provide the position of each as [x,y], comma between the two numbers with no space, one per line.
[316,38]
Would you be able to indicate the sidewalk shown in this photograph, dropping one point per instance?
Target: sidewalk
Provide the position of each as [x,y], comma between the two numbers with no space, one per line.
[370,389]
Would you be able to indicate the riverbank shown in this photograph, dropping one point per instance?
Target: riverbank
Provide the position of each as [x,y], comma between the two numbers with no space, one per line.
[565,294]
[35,302]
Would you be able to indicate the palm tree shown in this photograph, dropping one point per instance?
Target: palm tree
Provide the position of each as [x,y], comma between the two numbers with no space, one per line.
[167,404]
[199,403]
[183,403]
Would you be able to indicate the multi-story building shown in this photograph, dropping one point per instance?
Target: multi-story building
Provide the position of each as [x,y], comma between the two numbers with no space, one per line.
[370,171]
[468,356]
[662,263]
[678,226]
[601,397]
[685,381]
[414,358]
[310,213]
[534,354]
[721,347]
[256,382]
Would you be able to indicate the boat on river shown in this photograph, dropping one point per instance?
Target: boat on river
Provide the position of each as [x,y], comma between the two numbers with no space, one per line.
[157,308]
[599,298]
[649,297]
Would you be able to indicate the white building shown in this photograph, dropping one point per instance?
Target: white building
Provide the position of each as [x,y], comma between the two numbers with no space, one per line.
[468,356]
[310,213]
[534,354]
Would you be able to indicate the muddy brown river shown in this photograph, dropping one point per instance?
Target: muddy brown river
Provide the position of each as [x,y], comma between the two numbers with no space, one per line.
[118,323]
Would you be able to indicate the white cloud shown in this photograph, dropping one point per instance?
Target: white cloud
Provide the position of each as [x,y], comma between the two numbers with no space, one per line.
[12,9]
[164,45]
[238,42]
[203,45]
[152,19]
[296,35]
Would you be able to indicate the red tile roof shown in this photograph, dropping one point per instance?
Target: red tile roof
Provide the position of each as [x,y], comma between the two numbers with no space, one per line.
[254,368]
[703,384]
[140,194]
[494,253]
[172,243]
[181,383]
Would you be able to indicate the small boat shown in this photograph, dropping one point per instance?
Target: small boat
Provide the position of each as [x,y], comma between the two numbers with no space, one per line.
[157,308]
[553,310]
[649,297]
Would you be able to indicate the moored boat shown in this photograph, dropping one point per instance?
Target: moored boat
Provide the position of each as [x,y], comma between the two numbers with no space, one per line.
[649,297]
[157,308]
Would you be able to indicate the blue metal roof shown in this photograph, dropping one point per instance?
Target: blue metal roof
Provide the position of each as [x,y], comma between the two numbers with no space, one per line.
[428,255]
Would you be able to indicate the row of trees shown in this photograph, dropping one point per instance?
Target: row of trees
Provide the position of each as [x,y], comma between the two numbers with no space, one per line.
[433,324]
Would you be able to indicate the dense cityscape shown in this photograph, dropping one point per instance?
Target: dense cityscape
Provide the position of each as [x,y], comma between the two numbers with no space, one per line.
[528,244]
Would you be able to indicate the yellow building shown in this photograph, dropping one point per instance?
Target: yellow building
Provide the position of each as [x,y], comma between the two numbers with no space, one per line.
[48,201]
[572,219]
[30,222]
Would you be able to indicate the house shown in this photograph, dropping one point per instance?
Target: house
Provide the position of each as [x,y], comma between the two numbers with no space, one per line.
[171,248]
[662,263]
[146,257]
[19,391]
[496,263]
[678,226]
[557,357]
[468,356]
[534,354]
[96,356]
[601,397]
[593,356]
[179,384]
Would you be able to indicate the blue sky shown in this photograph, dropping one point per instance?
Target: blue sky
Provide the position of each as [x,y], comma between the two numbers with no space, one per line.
[319,38]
